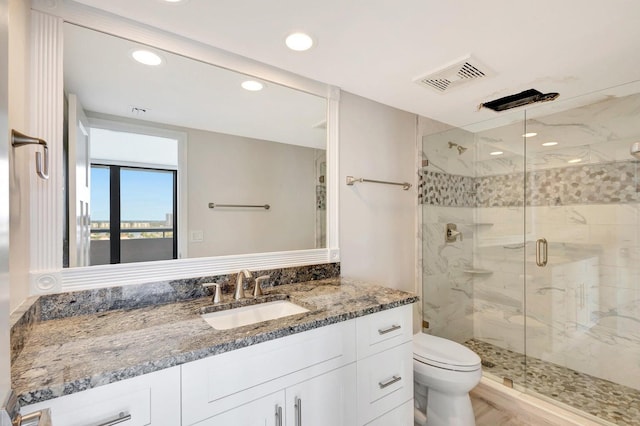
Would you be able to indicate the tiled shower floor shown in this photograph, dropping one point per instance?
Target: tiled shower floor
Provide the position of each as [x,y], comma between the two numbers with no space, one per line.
[602,398]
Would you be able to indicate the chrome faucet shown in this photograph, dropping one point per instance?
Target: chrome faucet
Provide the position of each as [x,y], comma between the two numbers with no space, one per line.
[257,290]
[239,294]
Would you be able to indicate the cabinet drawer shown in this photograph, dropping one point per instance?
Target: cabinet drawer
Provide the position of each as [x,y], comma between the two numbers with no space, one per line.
[384,330]
[385,381]
[400,416]
[149,399]
[219,383]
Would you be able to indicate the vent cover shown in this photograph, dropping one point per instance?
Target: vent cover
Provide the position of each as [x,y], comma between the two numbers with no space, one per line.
[451,76]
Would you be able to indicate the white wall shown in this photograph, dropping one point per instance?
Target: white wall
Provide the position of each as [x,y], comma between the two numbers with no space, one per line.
[228,169]
[20,160]
[377,222]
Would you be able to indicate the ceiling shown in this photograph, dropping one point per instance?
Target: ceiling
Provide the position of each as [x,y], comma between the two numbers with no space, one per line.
[98,68]
[376,48]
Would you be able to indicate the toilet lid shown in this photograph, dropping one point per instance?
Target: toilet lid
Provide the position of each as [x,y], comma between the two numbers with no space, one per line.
[444,353]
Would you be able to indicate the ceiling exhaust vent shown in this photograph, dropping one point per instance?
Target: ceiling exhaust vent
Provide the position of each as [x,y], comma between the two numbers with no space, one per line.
[458,73]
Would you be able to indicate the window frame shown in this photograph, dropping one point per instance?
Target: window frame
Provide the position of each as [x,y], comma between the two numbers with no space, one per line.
[124,125]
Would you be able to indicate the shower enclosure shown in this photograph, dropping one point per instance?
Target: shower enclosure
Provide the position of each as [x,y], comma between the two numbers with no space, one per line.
[543,281]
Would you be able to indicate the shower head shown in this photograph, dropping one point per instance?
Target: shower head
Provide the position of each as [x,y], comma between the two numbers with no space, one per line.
[635,150]
[460,148]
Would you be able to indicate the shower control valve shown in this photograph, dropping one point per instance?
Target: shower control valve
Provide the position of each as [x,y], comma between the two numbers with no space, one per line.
[452,233]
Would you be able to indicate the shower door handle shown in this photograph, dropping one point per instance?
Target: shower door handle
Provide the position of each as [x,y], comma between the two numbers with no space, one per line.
[542,252]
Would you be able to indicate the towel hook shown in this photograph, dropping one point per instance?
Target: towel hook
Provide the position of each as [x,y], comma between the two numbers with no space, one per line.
[19,139]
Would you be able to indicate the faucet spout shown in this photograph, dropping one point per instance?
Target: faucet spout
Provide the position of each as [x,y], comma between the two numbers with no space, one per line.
[239,294]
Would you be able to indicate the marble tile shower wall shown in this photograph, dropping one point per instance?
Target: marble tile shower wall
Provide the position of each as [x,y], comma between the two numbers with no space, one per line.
[583,309]
[447,290]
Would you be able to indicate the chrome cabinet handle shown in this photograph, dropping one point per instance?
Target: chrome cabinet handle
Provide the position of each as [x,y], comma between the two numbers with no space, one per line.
[278,415]
[120,418]
[298,406]
[389,382]
[541,252]
[394,327]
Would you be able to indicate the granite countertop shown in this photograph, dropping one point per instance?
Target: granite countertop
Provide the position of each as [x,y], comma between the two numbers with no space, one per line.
[68,355]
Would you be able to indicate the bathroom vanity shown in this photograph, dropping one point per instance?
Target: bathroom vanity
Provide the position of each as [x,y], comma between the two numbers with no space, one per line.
[346,361]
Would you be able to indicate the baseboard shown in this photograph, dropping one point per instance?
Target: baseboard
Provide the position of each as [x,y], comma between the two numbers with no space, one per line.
[532,409]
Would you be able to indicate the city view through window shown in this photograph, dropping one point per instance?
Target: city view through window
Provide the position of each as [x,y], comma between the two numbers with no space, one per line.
[146,203]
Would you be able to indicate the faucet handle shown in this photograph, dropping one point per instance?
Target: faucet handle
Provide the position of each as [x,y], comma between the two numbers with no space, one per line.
[257,290]
[216,293]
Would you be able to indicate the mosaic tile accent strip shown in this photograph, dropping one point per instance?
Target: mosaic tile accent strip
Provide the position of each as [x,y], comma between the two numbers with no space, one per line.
[321,197]
[603,183]
[443,189]
[500,190]
[607,400]
[86,302]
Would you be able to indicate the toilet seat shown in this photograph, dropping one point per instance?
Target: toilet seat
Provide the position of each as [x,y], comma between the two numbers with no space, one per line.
[443,353]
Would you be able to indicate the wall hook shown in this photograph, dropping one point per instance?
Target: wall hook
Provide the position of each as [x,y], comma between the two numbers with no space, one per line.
[19,139]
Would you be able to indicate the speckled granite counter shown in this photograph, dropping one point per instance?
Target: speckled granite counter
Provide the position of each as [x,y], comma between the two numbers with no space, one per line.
[68,355]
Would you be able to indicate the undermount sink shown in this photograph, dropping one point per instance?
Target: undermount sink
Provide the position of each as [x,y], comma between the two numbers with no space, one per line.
[246,315]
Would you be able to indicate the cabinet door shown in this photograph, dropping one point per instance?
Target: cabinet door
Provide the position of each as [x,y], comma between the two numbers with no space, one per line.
[150,399]
[328,399]
[266,411]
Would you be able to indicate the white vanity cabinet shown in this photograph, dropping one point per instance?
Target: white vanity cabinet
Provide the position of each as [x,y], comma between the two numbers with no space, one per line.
[356,372]
[316,367]
[150,399]
[323,400]
[385,366]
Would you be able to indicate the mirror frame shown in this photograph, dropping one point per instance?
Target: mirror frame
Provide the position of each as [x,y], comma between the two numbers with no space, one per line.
[47,201]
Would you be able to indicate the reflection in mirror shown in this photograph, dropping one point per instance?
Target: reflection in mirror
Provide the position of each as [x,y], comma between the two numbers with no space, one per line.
[150,147]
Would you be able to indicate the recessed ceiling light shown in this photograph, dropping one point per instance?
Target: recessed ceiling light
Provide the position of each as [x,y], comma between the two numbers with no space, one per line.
[146,57]
[575,160]
[496,153]
[550,144]
[530,134]
[173,1]
[299,42]
[252,85]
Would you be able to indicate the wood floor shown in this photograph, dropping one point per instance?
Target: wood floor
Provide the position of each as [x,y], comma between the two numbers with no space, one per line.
[488,415]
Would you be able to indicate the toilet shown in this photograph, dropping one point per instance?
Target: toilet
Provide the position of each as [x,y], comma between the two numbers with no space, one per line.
[443,372]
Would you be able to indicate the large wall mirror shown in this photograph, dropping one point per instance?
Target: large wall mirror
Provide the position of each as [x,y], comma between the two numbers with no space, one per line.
[174,158]
[172,170]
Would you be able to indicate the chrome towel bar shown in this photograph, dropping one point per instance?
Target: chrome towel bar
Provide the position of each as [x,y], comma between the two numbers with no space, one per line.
[258,206]
[19,139]
[351,180]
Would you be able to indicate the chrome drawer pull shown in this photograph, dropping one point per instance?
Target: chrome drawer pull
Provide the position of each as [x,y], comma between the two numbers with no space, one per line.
[389,382]
[278,415]
[394,327]
[121,418]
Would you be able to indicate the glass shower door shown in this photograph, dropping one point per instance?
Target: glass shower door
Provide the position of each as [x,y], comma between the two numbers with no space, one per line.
[582,263]
[472,178]
[499,249]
